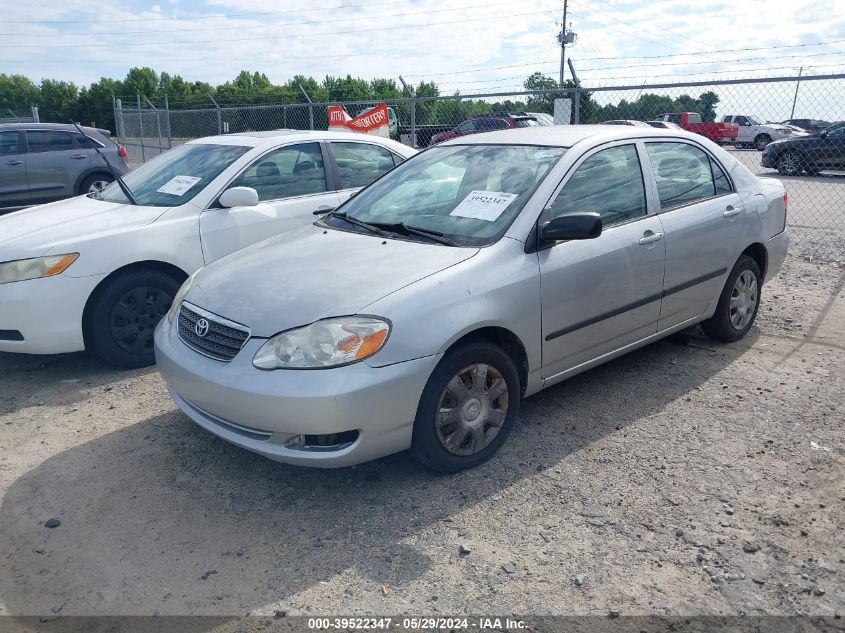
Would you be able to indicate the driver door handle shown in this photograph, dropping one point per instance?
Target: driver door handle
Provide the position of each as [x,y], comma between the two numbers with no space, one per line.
[78,156]
[650,239]
[731,212]
[14,162]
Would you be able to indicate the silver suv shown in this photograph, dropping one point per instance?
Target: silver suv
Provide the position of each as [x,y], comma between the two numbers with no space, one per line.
[42,162]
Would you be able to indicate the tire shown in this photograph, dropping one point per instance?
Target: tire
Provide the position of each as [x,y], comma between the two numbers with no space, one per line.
[761,141]
[94,183]
[467,441]
[737,308]
[789,164]
[122,316]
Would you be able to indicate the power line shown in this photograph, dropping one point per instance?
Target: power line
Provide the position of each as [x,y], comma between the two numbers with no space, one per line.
[207,16]
[258,26]
[628,57]
[274,37]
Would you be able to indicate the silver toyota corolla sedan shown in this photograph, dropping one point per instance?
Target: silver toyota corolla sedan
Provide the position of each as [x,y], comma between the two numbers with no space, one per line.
[419,313]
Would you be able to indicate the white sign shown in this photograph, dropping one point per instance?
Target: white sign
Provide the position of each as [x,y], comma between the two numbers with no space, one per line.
[178,185]
[484,205]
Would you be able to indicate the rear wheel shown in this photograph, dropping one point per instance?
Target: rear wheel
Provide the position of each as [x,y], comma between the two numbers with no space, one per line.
[738,303]
[467,409]
[95,183]
[124,314]
[762,141]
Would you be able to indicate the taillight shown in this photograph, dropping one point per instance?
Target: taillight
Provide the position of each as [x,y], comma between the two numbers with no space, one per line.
[121,151]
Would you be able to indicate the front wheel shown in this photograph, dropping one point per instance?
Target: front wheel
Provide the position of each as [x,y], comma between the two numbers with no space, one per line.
[467,409]
[738,303]
[789,164]
[124,314]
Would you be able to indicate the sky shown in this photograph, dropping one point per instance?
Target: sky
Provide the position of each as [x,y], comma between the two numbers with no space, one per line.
[467,45]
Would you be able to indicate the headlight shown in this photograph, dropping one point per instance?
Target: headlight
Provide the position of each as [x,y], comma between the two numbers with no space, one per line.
[180,294]
[23,269]
[327,343]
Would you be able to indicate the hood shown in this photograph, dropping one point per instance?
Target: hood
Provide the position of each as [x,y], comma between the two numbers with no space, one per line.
[313,273]
[40,230]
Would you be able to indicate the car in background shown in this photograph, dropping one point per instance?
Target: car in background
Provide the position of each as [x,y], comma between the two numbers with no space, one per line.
[665,125]
[41,162]
[755,133]
[481,271]
[718,132]
[487,123]
[808,154]
[97,272]
[542,118]
[627,122]
[807,125]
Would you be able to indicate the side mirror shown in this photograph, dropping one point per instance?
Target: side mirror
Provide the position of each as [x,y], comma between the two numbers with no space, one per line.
[239,197]
[576,226]
[823,134]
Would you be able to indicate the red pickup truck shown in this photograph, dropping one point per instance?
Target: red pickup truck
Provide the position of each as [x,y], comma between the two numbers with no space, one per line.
[691,121]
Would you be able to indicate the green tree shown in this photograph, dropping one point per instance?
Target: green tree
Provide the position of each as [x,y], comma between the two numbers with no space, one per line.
[143,81]
[95,103]
[58,101]
[17,93]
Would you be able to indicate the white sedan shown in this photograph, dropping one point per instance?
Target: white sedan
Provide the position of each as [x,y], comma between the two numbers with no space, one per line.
[98,272]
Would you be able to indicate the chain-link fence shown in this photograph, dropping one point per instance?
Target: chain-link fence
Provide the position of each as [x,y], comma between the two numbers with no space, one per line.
[746,116]
[19,115]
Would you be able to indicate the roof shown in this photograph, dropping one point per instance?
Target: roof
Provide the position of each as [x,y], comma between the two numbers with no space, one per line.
[564,135]
[69,127]
[271,137]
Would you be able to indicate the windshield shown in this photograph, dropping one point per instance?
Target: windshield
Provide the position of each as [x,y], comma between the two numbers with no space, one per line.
[175,177]
[754,120]
[468,193]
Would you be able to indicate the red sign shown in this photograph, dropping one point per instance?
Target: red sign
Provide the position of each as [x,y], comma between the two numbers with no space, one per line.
[365,122]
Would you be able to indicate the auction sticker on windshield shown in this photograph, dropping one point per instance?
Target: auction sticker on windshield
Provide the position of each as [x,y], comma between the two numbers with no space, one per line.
[178,185]
[484,205]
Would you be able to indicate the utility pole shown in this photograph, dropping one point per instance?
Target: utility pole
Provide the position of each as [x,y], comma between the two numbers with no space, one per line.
[562,42]
[795,98]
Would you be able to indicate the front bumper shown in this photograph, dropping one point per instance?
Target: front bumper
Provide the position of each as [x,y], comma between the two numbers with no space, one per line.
[767,159]
[47,312]
[262,410]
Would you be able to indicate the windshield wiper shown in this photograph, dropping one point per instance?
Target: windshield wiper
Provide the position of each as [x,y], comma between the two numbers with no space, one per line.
[114,173]
[429,234]
[353,220]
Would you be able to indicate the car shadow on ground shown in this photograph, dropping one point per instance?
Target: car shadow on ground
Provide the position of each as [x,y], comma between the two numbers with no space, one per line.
[162,517]
[61,379]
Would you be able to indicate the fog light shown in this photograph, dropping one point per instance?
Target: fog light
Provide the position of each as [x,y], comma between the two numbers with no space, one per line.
[294,441]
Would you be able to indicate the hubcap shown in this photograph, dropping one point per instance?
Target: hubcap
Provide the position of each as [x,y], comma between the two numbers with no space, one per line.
[743,300]
[789,164]
[472,409]
[134,317]
[97,186]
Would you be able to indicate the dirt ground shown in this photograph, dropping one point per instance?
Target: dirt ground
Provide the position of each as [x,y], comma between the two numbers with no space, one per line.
[678,480]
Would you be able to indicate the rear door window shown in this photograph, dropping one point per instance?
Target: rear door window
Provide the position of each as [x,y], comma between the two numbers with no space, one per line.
[684,174]
[49,140]
[358,164]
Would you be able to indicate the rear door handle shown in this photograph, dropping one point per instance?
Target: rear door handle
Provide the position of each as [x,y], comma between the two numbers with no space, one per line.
[731,212]
[651,239]
[79,156]
[14,162]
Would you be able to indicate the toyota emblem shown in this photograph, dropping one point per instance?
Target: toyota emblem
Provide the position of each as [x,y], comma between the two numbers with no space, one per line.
[201,327]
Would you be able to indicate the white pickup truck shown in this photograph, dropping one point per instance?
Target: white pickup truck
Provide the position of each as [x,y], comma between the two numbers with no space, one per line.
[755,133]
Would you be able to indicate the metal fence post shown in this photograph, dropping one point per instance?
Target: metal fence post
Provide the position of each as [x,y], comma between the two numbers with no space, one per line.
[414,122]
[310,107]
[219,115]
[35,118]
[167,118]
[141,127]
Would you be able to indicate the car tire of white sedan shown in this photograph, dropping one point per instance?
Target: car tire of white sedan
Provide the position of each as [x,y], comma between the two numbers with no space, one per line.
[124,314]
[738,303]
[467,409]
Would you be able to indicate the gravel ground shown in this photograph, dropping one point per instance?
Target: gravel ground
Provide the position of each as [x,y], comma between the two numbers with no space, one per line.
[681,479]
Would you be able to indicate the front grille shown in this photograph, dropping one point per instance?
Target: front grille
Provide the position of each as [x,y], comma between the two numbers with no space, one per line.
[223,340]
